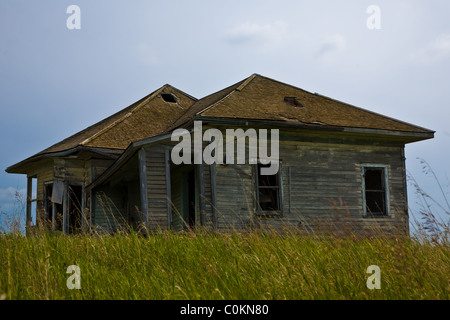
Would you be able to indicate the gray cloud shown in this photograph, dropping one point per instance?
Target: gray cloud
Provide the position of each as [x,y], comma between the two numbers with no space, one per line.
[331,45]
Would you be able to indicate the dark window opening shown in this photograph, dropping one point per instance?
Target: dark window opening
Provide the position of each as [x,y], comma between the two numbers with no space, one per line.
[48,205]
[168,97]
[375,191]
[75,209]
[293,101]
[268,188]
[191,199]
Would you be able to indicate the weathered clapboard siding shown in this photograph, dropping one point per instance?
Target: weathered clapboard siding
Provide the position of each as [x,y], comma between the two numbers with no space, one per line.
[209,223]
[157,186]
[109,209]
[157,196]
[234,196]
[321,188]
[72,171]
[330,171]
[117,203]
[95,167]
[44,176]
[321,183]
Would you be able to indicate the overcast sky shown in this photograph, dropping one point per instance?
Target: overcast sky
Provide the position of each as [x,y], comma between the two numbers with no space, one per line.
[55,81]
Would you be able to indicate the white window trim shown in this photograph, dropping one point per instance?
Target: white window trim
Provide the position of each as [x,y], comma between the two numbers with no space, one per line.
[386,187]
[268,213]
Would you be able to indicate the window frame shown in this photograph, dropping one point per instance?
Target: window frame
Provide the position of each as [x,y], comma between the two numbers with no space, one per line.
[48,204]
[258,210]
[385,175]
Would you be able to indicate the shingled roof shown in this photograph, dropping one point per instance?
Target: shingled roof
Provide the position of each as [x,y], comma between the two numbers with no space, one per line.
[145,118]
[256,98]
[262,98]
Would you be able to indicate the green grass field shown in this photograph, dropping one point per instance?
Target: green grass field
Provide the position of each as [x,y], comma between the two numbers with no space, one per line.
[221,266]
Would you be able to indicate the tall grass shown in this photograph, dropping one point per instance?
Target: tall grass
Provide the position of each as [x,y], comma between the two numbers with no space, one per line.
[431,221]
[258,264]
[192,265]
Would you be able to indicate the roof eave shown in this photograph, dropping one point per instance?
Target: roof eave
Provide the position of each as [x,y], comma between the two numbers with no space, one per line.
[405,136]
[124,157]
[20,166]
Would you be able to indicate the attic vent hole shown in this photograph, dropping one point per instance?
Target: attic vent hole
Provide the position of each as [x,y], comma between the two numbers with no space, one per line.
[293,101]
[168,97]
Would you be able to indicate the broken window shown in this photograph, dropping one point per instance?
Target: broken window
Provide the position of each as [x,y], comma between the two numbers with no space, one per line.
[48,205]
[57,192]
[168,97]
[75,209]
[268,188]
[293,101]
[53,210]
[375,190]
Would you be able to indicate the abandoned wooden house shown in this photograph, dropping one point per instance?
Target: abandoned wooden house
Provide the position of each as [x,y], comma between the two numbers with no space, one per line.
[337,162]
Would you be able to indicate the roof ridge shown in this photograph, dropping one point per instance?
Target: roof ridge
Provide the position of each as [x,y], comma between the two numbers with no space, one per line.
[125,116]
[93,125]
[181,121]
[283,83]
[247,81]
[239,88]
[175,88]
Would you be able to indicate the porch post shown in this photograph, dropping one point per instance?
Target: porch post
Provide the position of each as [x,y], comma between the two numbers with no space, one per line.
[143,185]
[29,198]
[54,216]
[168,188]
[65,228]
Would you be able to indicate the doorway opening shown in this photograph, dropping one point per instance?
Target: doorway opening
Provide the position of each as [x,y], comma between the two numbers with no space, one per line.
[191,199]
[75,209]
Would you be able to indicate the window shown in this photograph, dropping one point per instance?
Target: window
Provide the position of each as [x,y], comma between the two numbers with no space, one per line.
[63,206]
[268,192]
[74,209]
[53,210]
[48,205]
[375,190]
[293,101]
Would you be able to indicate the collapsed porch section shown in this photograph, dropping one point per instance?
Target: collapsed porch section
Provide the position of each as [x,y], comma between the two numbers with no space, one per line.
[56,195]
[149,192]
